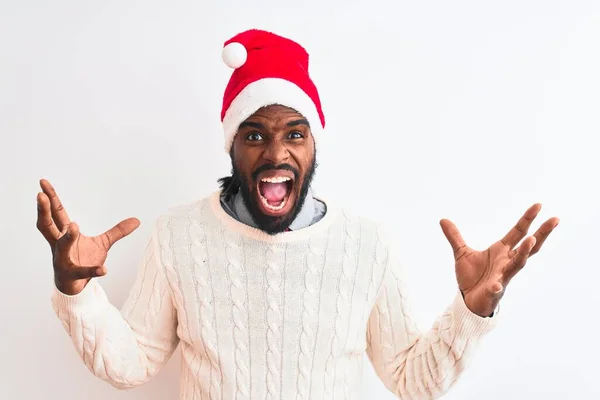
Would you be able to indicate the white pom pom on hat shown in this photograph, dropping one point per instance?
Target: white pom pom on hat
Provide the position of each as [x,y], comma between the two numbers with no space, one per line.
[234,55]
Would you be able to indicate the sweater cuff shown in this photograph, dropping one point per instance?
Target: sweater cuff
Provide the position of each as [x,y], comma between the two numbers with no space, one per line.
[91,297]
[468,324]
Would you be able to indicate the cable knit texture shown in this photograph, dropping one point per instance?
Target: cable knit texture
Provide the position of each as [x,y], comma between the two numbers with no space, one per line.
[273,275]
[261,316]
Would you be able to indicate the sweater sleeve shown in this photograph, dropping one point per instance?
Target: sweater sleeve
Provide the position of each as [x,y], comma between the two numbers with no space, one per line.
[418,365]
[124,347]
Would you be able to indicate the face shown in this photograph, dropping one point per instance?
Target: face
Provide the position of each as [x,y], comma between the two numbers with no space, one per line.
[273,158]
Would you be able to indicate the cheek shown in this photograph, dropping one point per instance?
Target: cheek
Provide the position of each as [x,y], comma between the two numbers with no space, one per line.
[243,162]
[309,155]
[304,159]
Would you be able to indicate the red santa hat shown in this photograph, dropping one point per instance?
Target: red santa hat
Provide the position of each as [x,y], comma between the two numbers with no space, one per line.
[268,69]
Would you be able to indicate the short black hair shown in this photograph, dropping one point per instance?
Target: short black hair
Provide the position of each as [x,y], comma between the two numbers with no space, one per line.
[229,185]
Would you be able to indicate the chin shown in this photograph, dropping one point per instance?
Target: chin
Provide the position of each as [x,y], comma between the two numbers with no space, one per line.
[274,217]
[273,210]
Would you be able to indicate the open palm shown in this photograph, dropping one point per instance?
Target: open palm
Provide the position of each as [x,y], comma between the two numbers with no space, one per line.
[483,276]
[76,258]
[87,250]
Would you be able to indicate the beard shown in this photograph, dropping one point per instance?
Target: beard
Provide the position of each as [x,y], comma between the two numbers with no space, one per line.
[248,189]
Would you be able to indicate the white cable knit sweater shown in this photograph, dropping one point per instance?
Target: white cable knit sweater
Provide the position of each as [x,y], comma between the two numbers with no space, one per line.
[277,317]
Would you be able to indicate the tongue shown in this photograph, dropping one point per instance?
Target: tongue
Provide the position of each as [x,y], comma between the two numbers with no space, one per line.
[274,192]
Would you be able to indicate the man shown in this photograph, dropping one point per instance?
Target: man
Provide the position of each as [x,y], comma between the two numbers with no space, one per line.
[271,291]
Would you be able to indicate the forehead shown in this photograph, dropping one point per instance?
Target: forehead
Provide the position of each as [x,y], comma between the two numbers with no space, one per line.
[275,113]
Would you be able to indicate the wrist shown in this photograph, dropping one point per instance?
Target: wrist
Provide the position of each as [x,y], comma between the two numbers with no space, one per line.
[70,287]
[475,310]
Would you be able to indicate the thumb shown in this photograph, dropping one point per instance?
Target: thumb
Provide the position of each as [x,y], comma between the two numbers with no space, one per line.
[69,235]
[485,300]
[121,230]
[453,235]
[494,290]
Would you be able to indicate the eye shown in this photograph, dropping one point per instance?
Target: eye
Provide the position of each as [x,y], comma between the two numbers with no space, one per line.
[254,136]
[296,135]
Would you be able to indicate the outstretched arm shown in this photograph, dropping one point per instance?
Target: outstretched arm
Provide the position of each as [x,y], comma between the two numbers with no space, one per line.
[124,347]
[127,347]
[416,365]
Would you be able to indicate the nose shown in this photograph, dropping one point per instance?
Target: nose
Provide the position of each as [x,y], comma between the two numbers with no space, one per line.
[276,152]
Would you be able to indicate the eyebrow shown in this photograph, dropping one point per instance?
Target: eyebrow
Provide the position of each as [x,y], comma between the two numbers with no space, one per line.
[297,122]
[256,125]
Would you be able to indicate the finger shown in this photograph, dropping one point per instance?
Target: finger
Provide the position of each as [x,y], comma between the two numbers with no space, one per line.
[77,272]
[70,236]
[121,230]
[542,234]
[454,237]
[519,259]
[494,291]
[518,232]
[45,224]
[59,214]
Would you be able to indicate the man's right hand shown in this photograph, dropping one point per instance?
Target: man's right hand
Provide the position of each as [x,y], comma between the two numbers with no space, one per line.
[76,258]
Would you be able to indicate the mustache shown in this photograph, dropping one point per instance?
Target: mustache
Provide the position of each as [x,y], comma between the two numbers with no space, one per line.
[270,167]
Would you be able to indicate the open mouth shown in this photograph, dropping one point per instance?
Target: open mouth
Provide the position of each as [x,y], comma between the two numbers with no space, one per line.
[275,191]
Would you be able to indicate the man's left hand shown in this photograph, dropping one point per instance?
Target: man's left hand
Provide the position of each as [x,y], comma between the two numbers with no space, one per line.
[483,275]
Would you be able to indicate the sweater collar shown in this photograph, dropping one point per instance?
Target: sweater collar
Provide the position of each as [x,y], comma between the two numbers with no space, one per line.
[231,222]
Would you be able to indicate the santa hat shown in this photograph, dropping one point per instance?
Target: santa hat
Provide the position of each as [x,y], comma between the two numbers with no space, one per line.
[268,69]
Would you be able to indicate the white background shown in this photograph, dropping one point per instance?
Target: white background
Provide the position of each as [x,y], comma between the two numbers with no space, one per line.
[467,110]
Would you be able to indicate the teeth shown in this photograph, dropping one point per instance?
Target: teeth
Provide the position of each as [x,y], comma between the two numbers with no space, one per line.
[276,179]
[274,208]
